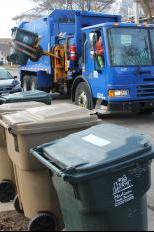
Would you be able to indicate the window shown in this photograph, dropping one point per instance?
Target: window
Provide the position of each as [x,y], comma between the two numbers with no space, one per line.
[93,41]
[97,49]
[129,47]
[84,38]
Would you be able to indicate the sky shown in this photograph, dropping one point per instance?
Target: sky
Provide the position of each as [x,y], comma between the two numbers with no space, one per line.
[9,9]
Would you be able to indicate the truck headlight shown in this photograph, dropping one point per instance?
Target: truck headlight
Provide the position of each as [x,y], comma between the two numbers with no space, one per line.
[119,93]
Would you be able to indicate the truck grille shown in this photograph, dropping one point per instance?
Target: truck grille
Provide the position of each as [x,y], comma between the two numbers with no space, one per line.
[145,90]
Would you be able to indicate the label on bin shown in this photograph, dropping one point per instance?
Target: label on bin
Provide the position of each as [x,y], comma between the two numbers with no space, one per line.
[95,140]
[123,191]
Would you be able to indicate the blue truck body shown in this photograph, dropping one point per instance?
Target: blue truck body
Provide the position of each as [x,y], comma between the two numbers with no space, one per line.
[48,28]
[120,85]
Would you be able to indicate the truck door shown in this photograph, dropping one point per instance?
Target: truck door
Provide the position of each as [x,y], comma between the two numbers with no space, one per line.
[95,63]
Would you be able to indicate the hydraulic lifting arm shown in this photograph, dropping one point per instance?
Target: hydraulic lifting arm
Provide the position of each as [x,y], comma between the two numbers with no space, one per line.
[34,53]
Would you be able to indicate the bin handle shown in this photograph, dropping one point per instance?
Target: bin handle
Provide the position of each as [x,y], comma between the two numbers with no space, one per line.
[47,163]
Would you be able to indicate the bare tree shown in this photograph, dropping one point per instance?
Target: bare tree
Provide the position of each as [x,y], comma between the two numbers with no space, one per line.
[147,6]
[96,5]
[47,5]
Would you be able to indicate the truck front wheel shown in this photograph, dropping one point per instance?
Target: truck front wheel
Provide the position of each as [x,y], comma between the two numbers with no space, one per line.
[83,96]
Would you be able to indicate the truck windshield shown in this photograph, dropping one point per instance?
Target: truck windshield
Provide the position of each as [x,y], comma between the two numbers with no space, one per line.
[129,47]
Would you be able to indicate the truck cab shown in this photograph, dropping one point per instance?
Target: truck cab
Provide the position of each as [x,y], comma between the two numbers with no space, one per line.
[122,78]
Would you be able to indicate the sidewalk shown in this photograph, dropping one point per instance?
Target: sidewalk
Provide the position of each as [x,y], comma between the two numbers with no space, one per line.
[151,220]
[6,207]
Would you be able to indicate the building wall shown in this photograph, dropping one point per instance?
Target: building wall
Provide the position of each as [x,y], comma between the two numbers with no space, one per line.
[24,18]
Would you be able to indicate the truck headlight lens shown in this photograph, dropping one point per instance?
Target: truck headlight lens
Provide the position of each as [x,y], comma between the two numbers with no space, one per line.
[119,93]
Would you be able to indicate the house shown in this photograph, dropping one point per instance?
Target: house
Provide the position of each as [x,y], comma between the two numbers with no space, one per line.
[26,17]
[5,46]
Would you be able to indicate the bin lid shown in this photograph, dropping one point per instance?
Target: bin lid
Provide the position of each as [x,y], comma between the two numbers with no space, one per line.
[24,36]
[34,95]
[99,149]
[49,118]
[14,107]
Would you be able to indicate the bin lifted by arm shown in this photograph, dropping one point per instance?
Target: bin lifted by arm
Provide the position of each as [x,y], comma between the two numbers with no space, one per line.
[90,56]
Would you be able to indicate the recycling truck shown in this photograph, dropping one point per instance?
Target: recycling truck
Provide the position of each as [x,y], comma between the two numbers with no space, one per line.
[59,53]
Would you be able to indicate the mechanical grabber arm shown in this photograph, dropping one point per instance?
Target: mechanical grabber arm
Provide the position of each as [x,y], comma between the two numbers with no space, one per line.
[34,53]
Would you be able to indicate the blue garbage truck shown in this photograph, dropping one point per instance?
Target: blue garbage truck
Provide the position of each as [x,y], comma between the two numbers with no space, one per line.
[95,58]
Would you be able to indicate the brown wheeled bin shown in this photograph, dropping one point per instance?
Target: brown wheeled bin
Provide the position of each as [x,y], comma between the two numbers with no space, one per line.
[7,182]
[28,129]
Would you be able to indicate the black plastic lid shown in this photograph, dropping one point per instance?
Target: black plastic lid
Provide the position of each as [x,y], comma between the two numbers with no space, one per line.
[24,36]
[99,149]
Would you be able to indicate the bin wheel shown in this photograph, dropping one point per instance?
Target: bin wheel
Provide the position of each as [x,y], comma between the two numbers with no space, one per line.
[17,205]
[7,191]
[43,222]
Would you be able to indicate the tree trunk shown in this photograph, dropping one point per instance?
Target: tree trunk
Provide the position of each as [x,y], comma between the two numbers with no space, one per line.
[148,7]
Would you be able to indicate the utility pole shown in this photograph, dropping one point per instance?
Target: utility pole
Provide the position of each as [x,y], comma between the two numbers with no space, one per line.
[137,15]
[89,5]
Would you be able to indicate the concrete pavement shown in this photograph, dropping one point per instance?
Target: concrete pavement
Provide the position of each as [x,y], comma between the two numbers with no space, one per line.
[6,207]
[151,220]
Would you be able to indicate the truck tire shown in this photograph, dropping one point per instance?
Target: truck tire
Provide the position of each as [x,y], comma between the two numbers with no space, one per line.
[68,91]
[33,83]
[26,83]
[83,96]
